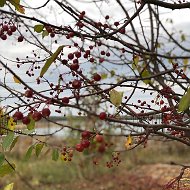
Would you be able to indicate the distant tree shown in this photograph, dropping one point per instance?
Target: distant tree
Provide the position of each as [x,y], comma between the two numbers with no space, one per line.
[120,62]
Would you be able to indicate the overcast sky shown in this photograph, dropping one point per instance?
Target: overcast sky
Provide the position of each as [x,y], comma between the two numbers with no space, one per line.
[11,50]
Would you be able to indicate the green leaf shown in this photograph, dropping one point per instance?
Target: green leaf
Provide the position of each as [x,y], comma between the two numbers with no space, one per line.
[9,186]
[55,154]
[135,62]
[39,148]
[28,153]
[38,28]
[31,125]
[184,103]
[2,3]
[45,33]
[146,74]
[2,158]
[183,38]
[14,142]
[50,60]
[104,75]
[7,169]
[112,72]
[116,97]
[7,140]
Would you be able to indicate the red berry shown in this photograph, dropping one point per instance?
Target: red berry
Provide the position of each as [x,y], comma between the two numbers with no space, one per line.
[85,134]
[85,143]
[101,148]
[37,116]
[13,28]
[102,115]
[74,66]
[52,35]
[91,60]
[108,54]
[26,120]
[79,147]
[46,112]
[65,100]
[5,27]
[83,12]
[3,37]
[78,54]
[76,84]
[101,60]
[28,93]
[99,138]
[9,32]
[71,34]
[116,23]
[122,31]
[17,115]
[70,56]
[20,38]
[49,29]
[97,77]
[102,53]
[107,17]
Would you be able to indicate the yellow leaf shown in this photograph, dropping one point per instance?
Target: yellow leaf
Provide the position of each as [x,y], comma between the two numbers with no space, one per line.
[135,62]
[185,63]
[18,7]
[146,74]
[63,158]
[16,80]
[9,186]
[116,97]
[1,112]
[128,142]
[11,123]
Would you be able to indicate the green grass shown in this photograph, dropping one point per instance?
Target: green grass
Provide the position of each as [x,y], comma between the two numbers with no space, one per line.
[43,173]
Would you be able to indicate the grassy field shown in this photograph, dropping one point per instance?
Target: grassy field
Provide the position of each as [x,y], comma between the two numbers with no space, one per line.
[44,174]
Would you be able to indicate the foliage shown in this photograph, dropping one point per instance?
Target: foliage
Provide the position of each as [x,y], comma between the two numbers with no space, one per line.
[106,75]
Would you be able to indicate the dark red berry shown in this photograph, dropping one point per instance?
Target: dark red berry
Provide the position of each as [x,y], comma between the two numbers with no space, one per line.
[76,84]
[99,138]
[17,115]
[97,77]
[37,116]
[3,37]
[102,115]
[28,93]
[26,120]
[79,147]
[78,54]
[46,112]
[52,35]
[107,17]
[13,28]
[101,148]
[9,32]
[65,100]
[5,27]
[74,66]
[20,38]
[85,134]
[85,143]
[70,56]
